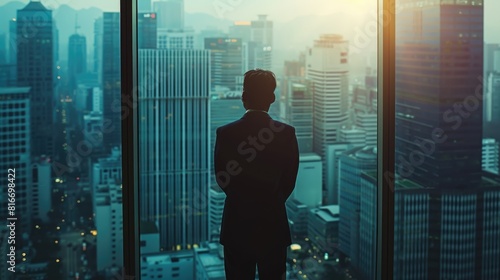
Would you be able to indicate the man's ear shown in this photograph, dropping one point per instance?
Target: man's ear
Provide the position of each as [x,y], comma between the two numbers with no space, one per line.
[272,99]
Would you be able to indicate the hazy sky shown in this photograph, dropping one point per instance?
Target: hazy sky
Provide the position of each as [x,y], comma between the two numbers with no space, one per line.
[283,10]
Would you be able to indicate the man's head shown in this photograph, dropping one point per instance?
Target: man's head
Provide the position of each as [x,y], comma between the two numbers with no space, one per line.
[258,89]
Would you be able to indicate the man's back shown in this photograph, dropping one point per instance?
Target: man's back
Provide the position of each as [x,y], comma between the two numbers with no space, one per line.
[256,163]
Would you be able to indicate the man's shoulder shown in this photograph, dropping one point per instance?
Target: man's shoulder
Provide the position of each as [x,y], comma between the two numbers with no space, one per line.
[274,125]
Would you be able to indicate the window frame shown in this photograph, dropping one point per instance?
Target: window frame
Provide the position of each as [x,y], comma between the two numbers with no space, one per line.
[385,137]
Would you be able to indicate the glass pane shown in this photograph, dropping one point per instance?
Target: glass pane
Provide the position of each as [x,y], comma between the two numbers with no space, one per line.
[60,140]
[447,185]
[191,59]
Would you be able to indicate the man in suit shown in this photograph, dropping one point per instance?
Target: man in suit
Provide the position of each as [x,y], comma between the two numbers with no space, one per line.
[256,162]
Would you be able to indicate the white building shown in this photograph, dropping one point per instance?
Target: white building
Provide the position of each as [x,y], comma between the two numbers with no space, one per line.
[308,186]
[109,226]
[328,69]
[355,136]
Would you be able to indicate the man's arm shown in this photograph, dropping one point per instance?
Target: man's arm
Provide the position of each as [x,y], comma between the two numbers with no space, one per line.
[289,175]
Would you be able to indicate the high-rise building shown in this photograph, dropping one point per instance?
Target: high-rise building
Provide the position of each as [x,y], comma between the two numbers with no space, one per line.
[170,14]
[355,136]
[15,146]
[109,225]
[351,164]
[368,225]
[147,29]
[298,214]
[333,153]
[175,163]
[328,69]
[77,58]
[111,79]
[308,186]
[35,63]
[323,228]
[435,98]
[225,61]
[296,109]
[241,30]
[98,48]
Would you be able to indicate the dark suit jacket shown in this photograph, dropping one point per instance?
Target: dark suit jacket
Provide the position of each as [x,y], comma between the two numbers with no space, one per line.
[256,162]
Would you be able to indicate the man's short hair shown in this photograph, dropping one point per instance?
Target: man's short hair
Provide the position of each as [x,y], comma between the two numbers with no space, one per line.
[258,87]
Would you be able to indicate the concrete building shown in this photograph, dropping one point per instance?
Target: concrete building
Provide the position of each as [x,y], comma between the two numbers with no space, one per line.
[109,226]
[175,265]
[298,214]
[308,186]
[351,164]
[217,198]
[209,262]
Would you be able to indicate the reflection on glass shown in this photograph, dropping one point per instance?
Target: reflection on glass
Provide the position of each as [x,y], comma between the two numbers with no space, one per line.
[60,136]
[447,185]
[191,63]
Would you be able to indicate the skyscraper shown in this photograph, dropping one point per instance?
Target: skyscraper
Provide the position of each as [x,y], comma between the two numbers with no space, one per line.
[77,58]
[328,70]
[98,48]
[435,97]
[111,78]
[174,162]
[352,164]
[12,41]
[226,64]
[146,35]
[35,69]
[439,132]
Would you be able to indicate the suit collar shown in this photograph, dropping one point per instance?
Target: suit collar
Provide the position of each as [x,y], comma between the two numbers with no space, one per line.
[256,114]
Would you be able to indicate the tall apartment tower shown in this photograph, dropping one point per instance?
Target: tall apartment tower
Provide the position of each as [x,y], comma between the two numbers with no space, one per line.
[77,58]
[175,162]
[35,65]
[111,78]
[328,69]
[260,46]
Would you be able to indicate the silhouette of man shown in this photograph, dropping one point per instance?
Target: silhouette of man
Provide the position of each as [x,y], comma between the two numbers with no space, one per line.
[256,162]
